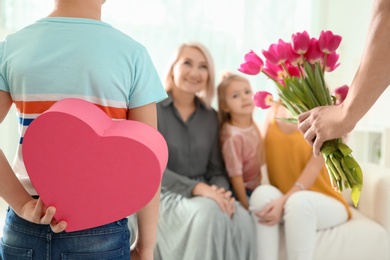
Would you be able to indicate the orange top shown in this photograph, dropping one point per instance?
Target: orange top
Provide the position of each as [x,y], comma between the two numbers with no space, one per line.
[286,157]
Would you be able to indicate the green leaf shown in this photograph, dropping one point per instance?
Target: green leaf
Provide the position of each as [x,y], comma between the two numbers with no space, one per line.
[332,170]
[355,194]
[351,180]
[308,68]
[290,102]
[289,106]
[355,169]
[338,167]
[292,96]
[289,120]
[310,94]
[329,147]
[345,150]
[295,86]
[323,92]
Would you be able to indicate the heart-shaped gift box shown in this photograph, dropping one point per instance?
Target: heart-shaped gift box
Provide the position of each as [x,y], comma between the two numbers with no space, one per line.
[93,169]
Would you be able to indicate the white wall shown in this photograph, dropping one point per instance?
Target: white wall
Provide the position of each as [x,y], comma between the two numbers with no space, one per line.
[9,137]
[350,18]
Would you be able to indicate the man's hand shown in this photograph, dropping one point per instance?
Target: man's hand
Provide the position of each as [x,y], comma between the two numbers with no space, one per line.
[322,124]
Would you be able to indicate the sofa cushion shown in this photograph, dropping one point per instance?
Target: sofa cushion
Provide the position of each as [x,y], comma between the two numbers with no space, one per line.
[359,239]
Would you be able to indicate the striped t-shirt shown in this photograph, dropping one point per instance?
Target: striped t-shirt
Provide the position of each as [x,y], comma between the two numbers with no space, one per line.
[56,58]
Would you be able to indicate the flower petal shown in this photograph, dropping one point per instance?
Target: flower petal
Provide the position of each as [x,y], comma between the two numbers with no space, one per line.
[263,99]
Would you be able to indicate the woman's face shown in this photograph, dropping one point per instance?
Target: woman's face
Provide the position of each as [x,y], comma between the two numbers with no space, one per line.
[190,72]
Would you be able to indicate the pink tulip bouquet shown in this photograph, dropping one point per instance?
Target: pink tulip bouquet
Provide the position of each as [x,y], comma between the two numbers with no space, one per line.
[298,68]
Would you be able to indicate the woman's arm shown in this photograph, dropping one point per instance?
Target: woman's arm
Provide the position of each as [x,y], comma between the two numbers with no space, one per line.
[177,183]
[309,174]
[148,216]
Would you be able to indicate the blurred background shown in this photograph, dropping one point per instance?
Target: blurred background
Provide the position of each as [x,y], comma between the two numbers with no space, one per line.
[228,28]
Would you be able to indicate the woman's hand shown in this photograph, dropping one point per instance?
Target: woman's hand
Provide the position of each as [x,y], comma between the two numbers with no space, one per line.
[222,197]
[35,212]
[229,199]
[272,213]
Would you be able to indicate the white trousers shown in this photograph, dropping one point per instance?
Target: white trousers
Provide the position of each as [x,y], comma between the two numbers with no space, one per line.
[305,212]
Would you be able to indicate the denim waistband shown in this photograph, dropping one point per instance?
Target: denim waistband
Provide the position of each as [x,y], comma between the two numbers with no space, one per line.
[21,225]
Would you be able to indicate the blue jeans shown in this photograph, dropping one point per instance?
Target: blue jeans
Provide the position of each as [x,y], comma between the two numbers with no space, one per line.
[26,240]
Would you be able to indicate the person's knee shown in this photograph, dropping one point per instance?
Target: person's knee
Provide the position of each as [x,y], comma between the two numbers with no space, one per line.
[207,211]
[299,204]
[263,195]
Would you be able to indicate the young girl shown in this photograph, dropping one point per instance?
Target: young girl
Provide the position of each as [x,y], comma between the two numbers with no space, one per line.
[240,138]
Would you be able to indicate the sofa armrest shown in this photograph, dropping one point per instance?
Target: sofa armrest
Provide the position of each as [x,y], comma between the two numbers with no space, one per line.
[375,197]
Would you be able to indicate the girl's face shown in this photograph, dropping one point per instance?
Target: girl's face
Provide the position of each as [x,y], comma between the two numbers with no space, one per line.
[238,99]
[190,72]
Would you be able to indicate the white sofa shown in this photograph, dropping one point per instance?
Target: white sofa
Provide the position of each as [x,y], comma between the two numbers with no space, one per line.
[367,235]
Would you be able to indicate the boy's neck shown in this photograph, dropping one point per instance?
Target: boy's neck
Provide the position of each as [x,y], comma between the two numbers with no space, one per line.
[90,9]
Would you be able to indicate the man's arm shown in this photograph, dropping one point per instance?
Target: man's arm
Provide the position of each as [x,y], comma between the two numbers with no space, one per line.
[370,81]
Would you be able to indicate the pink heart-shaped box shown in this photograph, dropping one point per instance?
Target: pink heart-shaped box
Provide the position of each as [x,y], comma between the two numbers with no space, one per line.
[93,169]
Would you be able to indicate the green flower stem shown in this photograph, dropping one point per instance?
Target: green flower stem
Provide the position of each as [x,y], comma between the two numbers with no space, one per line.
[324,62]
[343,169]
[351,180]
[290,107]
[338,167]
[332,172]
[285,69]
[333,169]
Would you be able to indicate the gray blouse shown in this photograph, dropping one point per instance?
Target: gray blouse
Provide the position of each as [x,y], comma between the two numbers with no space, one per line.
[194,150]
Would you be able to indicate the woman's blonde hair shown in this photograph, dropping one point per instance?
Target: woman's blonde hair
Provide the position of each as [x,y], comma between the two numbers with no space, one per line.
[207,94]
[226,79]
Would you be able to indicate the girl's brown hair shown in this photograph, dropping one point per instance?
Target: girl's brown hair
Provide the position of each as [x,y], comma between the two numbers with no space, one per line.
[226,79]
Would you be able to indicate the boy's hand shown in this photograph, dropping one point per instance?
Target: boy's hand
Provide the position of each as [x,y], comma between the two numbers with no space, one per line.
[141,254]
[35,212]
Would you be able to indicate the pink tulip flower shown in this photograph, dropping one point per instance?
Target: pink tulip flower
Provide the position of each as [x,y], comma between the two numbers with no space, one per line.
[331,62]
[277,53]
[293,70]
[314,54]
[328,42]
[293,57]
[300,42]
[253,64]
[263,99]
[340,94]
[276,72]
